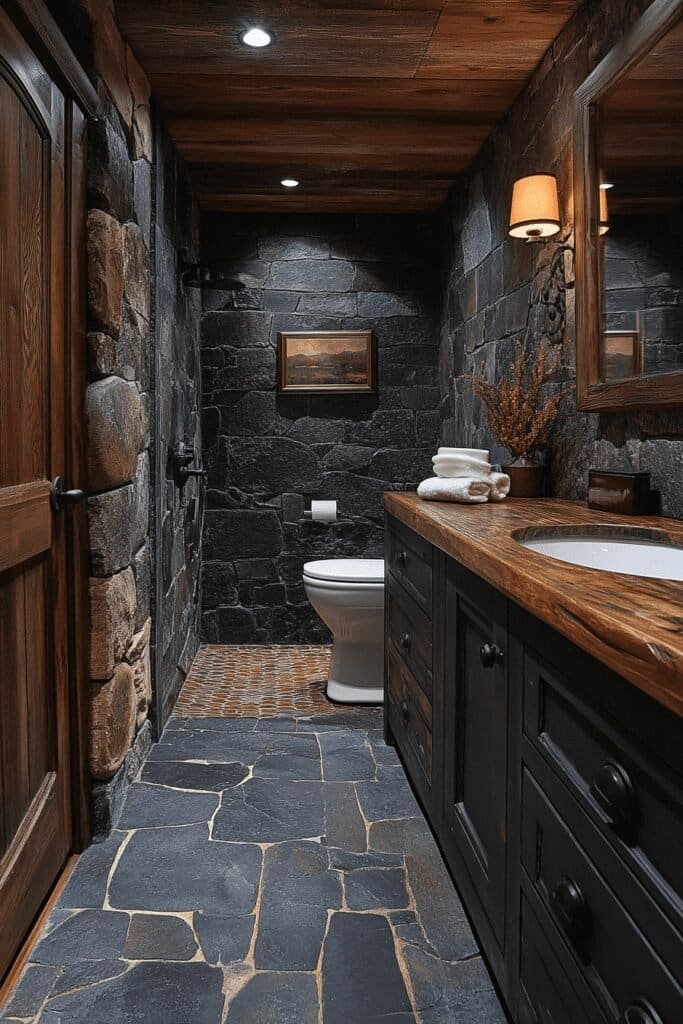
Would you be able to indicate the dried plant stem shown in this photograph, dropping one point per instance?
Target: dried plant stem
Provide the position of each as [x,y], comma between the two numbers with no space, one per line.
[517,414]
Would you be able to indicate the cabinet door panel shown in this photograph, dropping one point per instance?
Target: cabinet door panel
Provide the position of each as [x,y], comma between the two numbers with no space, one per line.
[476,737]
[549,993]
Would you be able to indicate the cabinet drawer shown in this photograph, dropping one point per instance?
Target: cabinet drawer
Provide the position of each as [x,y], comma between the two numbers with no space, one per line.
[409,560]
[411,712]
[635,804]
[549,994]
[411,632]
[612,955]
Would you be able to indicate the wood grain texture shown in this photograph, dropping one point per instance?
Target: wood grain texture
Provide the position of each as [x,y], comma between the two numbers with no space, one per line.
[493,38]
[347,99]
[631,624]
[41,311]
[41,31]
[23,957]
[25,522]
[644,38]
[218,96]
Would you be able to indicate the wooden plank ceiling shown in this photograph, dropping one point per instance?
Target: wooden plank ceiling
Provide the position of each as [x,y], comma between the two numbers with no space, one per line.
[371,104]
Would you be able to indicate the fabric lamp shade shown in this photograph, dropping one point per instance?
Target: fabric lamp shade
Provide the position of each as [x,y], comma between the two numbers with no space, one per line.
[535,210]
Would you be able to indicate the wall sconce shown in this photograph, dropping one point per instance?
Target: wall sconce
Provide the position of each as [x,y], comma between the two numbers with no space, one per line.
[535,210]
[603,224]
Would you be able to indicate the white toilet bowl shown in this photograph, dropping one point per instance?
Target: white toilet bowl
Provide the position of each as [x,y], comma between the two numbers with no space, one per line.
[348,595]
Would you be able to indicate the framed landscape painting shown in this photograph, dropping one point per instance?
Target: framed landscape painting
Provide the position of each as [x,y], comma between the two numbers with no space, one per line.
[622,354]
[327,362]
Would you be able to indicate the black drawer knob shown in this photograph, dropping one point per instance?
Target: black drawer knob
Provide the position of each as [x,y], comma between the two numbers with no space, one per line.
[641,1012]
[490,655]
[573,913]
[405,711]
[406,642]
[614,792]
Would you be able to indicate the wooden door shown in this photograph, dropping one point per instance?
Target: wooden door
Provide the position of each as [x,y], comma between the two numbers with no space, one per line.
[475,756]
[35,756]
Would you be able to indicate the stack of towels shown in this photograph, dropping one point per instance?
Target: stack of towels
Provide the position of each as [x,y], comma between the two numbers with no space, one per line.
[464,474]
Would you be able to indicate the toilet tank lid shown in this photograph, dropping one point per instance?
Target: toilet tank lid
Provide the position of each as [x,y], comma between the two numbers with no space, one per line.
[347,570]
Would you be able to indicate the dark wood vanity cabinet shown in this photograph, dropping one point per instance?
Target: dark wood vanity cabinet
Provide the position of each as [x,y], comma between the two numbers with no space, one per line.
[475,710]
[410,669]
[554,787]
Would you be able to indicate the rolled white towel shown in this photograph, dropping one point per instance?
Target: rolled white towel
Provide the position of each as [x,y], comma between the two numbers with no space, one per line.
[475,453]
[449,466]
[499,486]
[464,489]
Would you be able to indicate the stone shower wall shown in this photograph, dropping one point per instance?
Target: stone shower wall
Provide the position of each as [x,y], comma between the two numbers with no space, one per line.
[498,290]
[268,455]
[178,511]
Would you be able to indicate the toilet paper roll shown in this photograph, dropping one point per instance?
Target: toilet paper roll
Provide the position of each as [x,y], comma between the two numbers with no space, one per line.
[324,511]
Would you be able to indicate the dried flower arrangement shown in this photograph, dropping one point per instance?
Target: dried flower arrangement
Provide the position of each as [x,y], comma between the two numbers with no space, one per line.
[517,413]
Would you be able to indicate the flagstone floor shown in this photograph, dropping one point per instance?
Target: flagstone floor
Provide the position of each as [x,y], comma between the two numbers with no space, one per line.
[264,871]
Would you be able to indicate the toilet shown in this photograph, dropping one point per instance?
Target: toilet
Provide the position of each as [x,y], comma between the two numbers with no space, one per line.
[348,595]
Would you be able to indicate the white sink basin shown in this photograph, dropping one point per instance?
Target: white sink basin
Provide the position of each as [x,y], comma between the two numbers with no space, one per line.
[637,555]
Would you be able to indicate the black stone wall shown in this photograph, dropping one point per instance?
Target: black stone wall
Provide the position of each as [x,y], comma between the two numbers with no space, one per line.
[497,290]
[177,511]
[268,455]
[644,284]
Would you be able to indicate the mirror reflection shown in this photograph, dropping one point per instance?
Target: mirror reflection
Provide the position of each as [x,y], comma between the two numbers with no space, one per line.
[641,215]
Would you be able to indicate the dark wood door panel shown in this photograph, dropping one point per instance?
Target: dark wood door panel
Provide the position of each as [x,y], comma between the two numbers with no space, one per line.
[35,761]
[34,857]
[25,522]
[27,703]
[475,786]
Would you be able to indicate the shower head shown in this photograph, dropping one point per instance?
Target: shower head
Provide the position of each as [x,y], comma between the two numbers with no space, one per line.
[198,275]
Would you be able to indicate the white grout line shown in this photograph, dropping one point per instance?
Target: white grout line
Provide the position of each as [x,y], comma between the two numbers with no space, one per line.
[106,905]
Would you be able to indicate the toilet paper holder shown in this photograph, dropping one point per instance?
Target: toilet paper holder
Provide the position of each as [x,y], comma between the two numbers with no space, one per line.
[321,512]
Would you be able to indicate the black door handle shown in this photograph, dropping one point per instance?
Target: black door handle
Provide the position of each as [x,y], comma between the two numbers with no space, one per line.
[640,1012]
[573,913]
[60,496]
[405,711]
[401,559]
[490,655]
[615,794]
[406,642]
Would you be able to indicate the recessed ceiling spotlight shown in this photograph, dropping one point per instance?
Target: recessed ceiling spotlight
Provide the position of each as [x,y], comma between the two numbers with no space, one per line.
[607,184]
[257,38]
[289,182]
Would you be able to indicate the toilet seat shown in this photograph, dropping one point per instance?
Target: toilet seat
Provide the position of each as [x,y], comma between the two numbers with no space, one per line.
[346,570]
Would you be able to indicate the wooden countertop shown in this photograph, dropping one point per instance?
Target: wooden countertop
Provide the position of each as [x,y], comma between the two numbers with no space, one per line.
[632,624]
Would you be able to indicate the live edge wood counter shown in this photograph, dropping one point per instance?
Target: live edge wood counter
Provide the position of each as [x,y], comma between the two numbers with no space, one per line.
[631,624]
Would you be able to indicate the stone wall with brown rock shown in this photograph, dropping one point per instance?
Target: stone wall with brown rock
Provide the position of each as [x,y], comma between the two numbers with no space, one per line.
[118,411]
[497,290]
[134,667]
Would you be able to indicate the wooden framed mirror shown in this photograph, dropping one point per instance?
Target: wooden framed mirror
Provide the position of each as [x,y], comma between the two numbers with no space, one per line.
[628,210]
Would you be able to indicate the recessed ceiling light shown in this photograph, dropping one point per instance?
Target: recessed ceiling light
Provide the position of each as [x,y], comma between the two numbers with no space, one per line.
[256,38]
[607,184]
[289,182]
